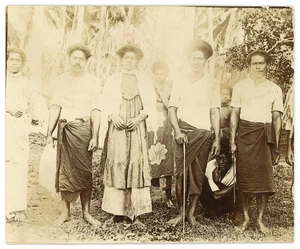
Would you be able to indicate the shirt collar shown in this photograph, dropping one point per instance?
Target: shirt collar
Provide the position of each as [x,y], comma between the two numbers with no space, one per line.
[261,84]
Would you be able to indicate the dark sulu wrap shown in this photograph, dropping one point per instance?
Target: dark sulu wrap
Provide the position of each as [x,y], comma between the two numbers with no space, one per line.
[256,152]
[74,161]
[197,153]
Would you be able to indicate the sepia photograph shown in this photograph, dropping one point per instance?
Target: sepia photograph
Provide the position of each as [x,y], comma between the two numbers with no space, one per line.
[149,124]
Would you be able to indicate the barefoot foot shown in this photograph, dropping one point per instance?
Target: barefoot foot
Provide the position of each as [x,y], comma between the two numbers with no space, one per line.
[64,217]
[89,219]
[20,216]
[138,222]
[115,219]
[192,221]
[10,216]
[170,204]
[262,228]
[244,226]
[175,221]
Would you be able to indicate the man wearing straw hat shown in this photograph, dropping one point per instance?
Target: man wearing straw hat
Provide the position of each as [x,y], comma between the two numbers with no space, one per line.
[196,97]
[75,109]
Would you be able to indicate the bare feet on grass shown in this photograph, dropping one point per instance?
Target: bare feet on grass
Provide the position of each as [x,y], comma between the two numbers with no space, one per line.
[115,219]
[262,228]
[10,217]
[169,203]
[89,219]
[175,221]
[192,221]
[20,216]
[244,226]
[64,217]
[138,222]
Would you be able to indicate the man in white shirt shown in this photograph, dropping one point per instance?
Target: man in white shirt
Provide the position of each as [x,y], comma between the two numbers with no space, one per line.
[75,108]
[196,97]
[256,119]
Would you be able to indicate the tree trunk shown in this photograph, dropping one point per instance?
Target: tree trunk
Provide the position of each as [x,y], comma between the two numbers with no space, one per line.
[211,40]
[78,25]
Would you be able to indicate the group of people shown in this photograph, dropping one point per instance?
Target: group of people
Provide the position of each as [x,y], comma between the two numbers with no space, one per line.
[220,148]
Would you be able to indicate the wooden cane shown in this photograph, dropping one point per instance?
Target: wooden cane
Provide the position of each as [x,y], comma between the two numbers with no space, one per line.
[233,158]
[184,189]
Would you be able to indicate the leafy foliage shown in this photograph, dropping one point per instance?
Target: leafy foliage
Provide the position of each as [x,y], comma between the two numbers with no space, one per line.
[270,29]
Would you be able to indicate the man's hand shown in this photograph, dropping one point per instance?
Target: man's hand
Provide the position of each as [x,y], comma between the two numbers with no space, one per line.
[181,138]
[93,145]
[15,113]
[233,148]
[215,148]
[216,174]
[133,123]
[118,122]
[50,140]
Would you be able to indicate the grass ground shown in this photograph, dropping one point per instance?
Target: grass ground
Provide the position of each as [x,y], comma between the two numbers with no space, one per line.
[43,209]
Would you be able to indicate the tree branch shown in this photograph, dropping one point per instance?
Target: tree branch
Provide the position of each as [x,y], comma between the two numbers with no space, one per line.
[281,41]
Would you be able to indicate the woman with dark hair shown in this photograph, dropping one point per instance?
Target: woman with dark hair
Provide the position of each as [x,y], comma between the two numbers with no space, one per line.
[128,114]
[163,166]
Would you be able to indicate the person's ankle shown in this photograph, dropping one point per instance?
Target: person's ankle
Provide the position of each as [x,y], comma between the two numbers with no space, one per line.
[84,213]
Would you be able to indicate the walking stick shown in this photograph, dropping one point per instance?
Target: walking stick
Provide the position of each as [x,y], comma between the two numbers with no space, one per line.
[184,188]
[233,164]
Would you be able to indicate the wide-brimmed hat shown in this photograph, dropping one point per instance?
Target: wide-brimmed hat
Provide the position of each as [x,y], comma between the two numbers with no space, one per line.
[130,48]
[79,46]
[18,51]
[199,45]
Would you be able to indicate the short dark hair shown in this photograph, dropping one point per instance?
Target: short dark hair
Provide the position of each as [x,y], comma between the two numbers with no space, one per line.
[199,45]
[226,88]
[225,148]
[160,65]
[81,47]
[130,48]
[17,51]
[260,52]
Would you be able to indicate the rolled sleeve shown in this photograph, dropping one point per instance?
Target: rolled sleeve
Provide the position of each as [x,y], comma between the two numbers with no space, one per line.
[278,101]
[236,97]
